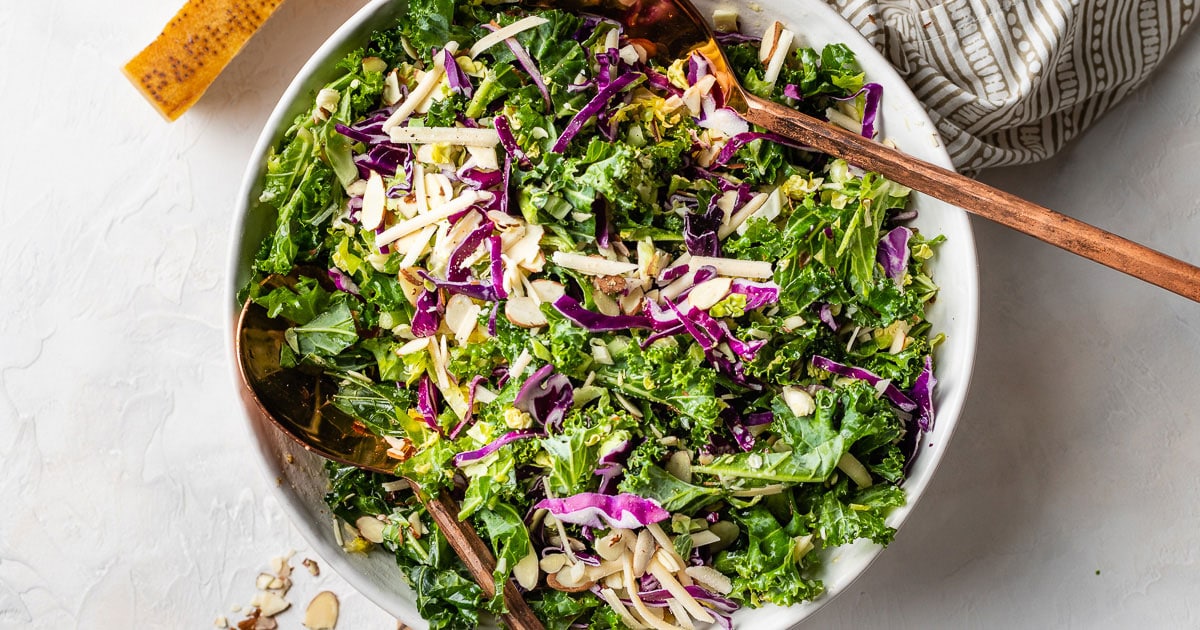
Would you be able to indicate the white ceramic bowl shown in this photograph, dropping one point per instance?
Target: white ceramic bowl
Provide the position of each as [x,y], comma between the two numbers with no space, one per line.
[955,312]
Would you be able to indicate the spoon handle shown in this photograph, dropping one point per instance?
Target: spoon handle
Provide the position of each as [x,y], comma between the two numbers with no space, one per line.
[980,199]
[479,560]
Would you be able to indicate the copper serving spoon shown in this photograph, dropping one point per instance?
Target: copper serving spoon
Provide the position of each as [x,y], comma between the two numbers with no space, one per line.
[297,401]
[677,29]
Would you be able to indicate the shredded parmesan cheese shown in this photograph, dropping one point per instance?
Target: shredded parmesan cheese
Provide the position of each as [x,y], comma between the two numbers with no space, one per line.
[466,136]
[497,36]
[440,213]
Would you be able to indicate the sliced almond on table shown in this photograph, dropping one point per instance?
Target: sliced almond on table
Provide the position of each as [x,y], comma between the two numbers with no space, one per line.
[176,69]
[322,612]
[270,603]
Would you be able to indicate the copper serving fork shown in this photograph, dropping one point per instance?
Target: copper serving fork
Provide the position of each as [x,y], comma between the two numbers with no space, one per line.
[677,28]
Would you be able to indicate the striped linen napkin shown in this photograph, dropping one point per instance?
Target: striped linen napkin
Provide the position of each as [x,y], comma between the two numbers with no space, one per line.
[1011,81]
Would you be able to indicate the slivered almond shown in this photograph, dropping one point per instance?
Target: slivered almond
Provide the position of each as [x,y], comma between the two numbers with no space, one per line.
[643,551]
[537,264]
[628,54]
[631,303]
[371,528]
[412,284]
[605,303]
[270,603]
[704,295]
[770,41]
[524,312]
[322,612]
[462,316]
[778,55]
[391,89]
[438,188]
[485,158]
[552,563]
[374,202]
[610,546]
[526,571]
[547,290]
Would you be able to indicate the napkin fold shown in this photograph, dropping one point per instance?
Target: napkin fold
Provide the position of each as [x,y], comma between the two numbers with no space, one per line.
[1011,81]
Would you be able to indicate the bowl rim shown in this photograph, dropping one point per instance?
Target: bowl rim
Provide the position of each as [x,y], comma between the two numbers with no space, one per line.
[238,255]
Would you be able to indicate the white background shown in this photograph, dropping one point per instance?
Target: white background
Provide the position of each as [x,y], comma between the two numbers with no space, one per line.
[1070,496]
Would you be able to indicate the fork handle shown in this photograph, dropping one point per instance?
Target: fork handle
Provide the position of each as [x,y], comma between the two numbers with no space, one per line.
[479,560]
[980,199]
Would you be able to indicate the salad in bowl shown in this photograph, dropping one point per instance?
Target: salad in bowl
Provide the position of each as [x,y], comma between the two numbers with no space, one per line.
[668,364]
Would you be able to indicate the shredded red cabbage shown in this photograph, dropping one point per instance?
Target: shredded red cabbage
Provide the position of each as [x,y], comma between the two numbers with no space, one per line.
[458,80]
[759,419]
[741,434]
[893,253]
[509,141]
[826,315]
[700,230]
[467,457]
[428,314]
[342,281]
[733,144]
[496,269]
[697,68]
[594,106]
[671,274]
[546,396]
[922,393]
[386,159]
[598,322]
[455,269]
[427,403]
[758,294]
[480,179]
[612,464]
[872,96]
[527,63]
[466,421]
[893,393]
[592,509]
[478,291]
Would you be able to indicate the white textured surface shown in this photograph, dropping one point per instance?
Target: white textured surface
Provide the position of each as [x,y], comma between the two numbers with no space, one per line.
[131,499]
